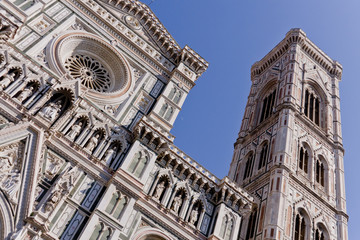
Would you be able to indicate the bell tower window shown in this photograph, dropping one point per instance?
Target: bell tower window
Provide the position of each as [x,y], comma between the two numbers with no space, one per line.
[248,166]
[267,106]
[303,159]
[312,107]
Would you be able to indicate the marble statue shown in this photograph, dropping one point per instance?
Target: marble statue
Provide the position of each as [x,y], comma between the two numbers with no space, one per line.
[52,110]
[194,215]
[159,190]
[93,142]
[177,203]
[110,155]
[75,130]
[25,94]
[7,79]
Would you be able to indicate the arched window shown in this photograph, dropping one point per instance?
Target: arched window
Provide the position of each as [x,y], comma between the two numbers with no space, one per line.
[169,113]
[138,163]
[312,106]
[226,228]
[303,159]
[302,226]
[267,106]
[163,109]
[321,233]
[248,166]
[175,95]
[101,232]
[166,111]
[263,156]
[172,93]
[251,225]
[319,172]
[116,205]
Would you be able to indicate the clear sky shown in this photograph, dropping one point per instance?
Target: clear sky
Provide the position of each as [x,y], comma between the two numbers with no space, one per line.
[231,35]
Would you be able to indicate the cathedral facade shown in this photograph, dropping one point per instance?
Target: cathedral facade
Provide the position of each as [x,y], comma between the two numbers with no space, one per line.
[89,91]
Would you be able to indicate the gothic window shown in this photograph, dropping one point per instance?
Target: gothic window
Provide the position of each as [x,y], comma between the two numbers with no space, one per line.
[116,205]
[175,95]
[101,232]
[321,233]
[226,227]
[263,156]
[166,111]
[169,113]
[251,225]
[320,171]
[248,166]
[267,106]
[303,159]
[138,164]
[312,106]
[302,227]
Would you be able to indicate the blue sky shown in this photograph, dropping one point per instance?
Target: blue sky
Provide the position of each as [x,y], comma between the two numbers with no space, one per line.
[231,35]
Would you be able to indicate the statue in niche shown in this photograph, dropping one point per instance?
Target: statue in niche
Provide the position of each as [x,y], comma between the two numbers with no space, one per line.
[93,142]
[53,167]
[176,204]
[159,190]
[11,185]
[52,110]
[75,130]
[194,215]
[7,79]
[27,92]
[110,155]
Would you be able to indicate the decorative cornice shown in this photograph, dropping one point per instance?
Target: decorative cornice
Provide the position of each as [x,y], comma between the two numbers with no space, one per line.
[165,42]
[297,36]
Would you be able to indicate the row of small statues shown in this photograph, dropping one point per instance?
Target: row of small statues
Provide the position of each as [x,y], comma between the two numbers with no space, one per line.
[50,111]
[8,79]
[177,202]
[92,143]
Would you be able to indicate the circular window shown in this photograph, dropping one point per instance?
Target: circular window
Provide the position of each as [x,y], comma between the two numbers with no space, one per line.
[98,65]
[92,74]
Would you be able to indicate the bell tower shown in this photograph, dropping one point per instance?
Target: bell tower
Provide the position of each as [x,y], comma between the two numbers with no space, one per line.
[289,152]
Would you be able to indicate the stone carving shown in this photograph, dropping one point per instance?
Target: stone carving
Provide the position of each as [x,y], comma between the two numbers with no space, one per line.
[132,22]
[110,155]
[52,110]
[53,166]
[5,30]
[93,142]
[7,80]
[27,92]
[75,130]
[61,189]
[137,73]
[159,190]
[110,109]
[9,170]
[7,162]
[11,186]
[194,215]
[176,204]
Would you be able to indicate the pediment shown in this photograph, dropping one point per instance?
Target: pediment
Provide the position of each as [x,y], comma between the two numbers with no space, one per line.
[134,24]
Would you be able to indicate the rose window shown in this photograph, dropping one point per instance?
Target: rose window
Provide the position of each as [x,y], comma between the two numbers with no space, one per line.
[92,74]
